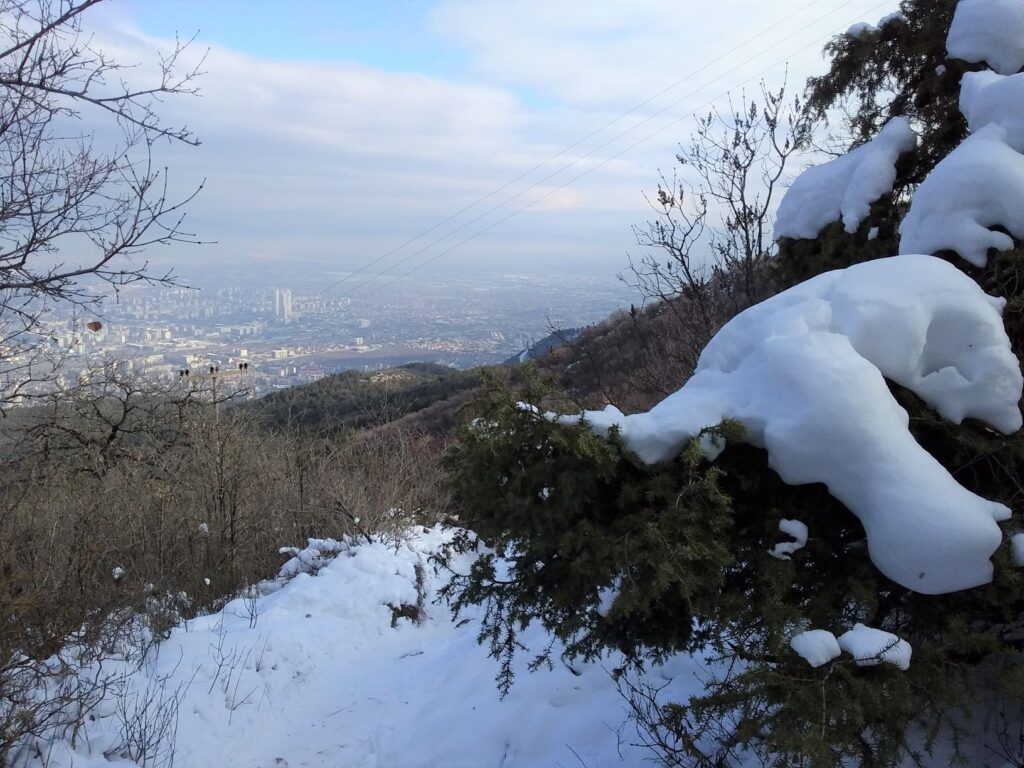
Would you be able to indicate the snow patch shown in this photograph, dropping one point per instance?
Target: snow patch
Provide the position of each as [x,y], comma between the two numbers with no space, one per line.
[846,187]
[803,372]
[977,186]
[817,646]
[991,31]
[870,646]
[606,597]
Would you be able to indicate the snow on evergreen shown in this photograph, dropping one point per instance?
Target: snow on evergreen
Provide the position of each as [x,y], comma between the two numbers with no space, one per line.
[864,28]
[990,31]
[845,187]
[817,646]
[978,186]
[870,646]
[987,98]
[784,550]
[804,372]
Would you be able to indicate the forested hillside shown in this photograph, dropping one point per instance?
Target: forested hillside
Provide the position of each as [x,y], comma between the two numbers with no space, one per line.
[353,400]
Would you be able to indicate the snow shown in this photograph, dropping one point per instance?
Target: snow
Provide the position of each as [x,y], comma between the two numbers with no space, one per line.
[796,529]
[805,371]
[991,31]
[312,672]
[817,646]
[606,597]
[863,28]
[979,185]
[117,573]
[891,18]
[1017,550]
[987,98]
[846,187]
[870,646]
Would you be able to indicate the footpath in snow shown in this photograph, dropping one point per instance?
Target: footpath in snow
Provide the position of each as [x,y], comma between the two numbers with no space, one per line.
[313,673]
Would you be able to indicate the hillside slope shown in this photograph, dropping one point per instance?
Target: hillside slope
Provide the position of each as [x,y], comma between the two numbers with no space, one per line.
[355,399]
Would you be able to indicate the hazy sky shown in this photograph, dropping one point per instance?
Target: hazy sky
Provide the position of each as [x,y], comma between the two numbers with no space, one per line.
[333,132]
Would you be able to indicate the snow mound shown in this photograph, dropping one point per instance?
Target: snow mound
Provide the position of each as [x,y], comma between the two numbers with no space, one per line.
[817,646]
[805,371]
[979,185]
[796,529]
[870,646]
[991,31]
[990,99]
[846,187]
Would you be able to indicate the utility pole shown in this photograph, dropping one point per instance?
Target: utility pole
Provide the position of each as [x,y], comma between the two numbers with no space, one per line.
[213,374]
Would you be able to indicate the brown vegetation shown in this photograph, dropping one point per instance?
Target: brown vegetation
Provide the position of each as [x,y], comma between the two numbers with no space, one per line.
[121,499]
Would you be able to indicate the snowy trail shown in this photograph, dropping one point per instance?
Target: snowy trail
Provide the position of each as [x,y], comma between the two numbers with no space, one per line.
[320,678]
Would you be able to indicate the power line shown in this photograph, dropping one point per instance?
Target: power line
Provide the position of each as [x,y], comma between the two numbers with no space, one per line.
[572,146]
[531,187]
[581,175]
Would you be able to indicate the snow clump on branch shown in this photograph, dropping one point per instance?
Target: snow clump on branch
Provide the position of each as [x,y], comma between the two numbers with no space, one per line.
[804,372]
[846,187]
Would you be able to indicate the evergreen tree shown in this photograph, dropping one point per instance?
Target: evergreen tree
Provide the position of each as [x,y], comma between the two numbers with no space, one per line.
[685,545]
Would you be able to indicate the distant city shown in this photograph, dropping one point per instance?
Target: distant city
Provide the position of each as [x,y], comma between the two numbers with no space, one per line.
[293,334]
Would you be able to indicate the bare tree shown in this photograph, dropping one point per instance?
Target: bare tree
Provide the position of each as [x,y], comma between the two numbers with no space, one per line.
[707,248]
[79,190]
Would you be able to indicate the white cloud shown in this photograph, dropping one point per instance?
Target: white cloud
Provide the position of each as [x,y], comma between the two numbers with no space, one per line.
[343,161]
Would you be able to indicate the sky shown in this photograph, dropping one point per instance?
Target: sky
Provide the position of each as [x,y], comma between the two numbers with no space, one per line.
[406,137]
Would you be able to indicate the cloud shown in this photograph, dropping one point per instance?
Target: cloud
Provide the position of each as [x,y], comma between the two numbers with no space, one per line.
[341,162]
[618,54]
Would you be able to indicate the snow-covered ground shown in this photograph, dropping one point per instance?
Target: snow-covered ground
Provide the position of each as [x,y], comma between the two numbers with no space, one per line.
[313,674]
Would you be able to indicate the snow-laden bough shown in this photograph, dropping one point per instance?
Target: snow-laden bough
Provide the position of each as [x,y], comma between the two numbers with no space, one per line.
[987,98]
[805,371]
[969,199]
[991,31]
[844,188]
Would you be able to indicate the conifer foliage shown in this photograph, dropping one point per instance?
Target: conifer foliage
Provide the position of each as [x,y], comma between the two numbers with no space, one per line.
[616,556]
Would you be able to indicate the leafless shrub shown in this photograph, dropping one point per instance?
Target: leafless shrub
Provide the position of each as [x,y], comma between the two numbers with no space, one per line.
[148,724]
[705,254]
[126,506]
